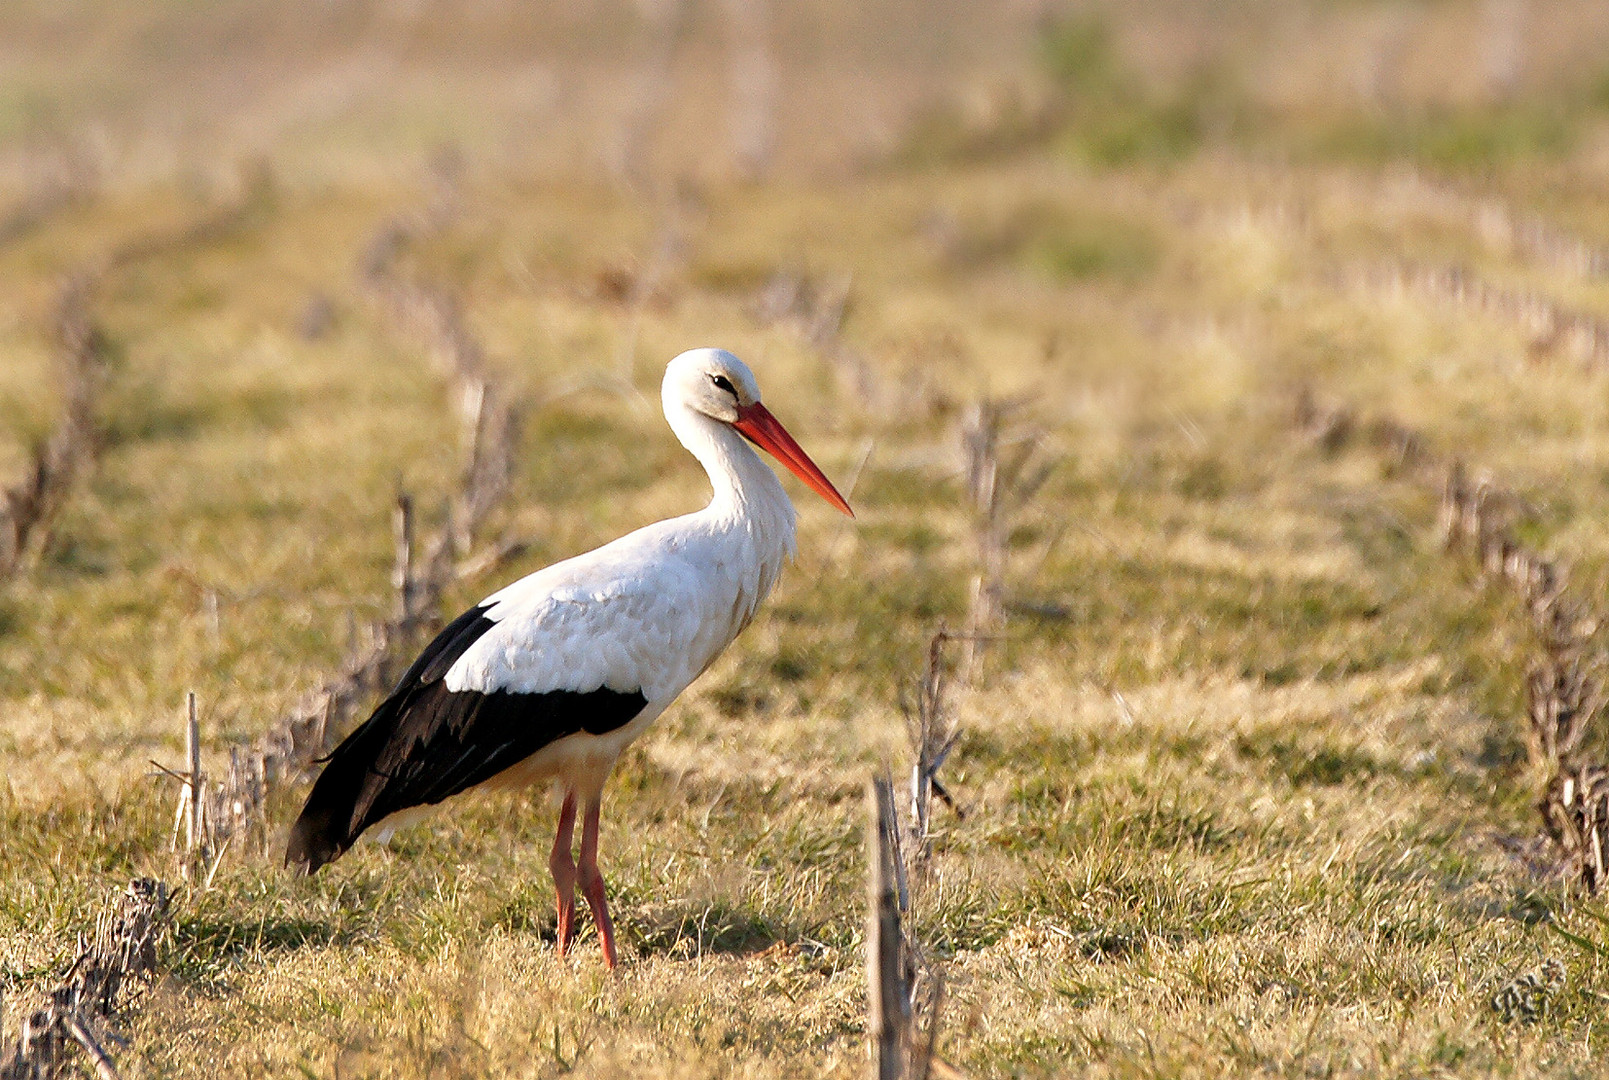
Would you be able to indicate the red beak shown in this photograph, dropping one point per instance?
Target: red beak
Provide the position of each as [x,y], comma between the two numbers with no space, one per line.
[756,424]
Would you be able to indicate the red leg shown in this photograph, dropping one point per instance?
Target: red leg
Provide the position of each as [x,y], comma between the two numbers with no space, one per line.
[563,867]
[592,884]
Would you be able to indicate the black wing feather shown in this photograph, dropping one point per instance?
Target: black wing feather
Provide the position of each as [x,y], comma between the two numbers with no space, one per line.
[445,649]
[426,743]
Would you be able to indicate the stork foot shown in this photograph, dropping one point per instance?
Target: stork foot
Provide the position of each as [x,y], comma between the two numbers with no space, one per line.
[599,903]
[592,885]
[564,874]
[564,931]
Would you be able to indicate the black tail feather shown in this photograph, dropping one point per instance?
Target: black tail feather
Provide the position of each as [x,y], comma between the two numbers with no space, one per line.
[331,821]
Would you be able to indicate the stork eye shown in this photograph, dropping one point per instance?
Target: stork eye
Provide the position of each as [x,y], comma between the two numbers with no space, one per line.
[723,383]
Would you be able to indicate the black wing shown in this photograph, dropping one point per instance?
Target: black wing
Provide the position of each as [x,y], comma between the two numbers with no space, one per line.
[426,743]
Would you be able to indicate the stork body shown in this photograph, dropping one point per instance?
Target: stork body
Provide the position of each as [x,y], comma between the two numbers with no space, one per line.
[555,675]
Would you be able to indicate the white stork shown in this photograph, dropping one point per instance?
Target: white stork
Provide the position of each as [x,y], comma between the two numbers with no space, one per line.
[553,676]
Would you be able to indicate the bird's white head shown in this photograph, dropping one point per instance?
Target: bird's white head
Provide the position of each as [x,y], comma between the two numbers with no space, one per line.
[710,381]
[716,384]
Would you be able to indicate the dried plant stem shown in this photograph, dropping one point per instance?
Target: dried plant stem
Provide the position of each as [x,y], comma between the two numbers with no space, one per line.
[212,816]
[192,788]
[904,989]
[490,425]
[29,508]
[1497,223]
[1004,467]
[888,963]
[1566,695]
[1551,326]
[933,734]
[92,1048]
[122,949]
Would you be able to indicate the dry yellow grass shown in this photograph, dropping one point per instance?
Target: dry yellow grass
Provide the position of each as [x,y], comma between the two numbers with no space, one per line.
[1245,777]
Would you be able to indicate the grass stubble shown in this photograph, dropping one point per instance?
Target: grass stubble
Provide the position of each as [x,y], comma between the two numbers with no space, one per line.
[1245,775]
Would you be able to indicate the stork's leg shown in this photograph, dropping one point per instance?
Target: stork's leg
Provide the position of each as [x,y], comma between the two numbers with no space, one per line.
[592,883]
[563,867]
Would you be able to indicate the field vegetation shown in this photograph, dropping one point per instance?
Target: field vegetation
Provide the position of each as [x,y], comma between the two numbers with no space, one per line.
[1245,763]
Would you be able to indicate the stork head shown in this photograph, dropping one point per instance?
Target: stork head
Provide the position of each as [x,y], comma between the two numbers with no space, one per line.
[718,385]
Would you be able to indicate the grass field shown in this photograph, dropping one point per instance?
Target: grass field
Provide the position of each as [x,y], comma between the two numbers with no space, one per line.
[1245,774]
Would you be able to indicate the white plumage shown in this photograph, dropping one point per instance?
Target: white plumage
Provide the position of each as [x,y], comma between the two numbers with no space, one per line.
[554,675]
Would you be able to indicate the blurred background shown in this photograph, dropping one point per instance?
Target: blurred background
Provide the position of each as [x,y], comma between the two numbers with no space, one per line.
[751,89]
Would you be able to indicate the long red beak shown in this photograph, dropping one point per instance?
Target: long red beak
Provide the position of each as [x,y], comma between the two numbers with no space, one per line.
[755,423]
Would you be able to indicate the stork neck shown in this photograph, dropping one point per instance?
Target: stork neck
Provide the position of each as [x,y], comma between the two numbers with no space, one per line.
[746,489]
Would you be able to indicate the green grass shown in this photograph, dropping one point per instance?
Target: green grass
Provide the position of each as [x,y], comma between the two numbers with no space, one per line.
[1244,776]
